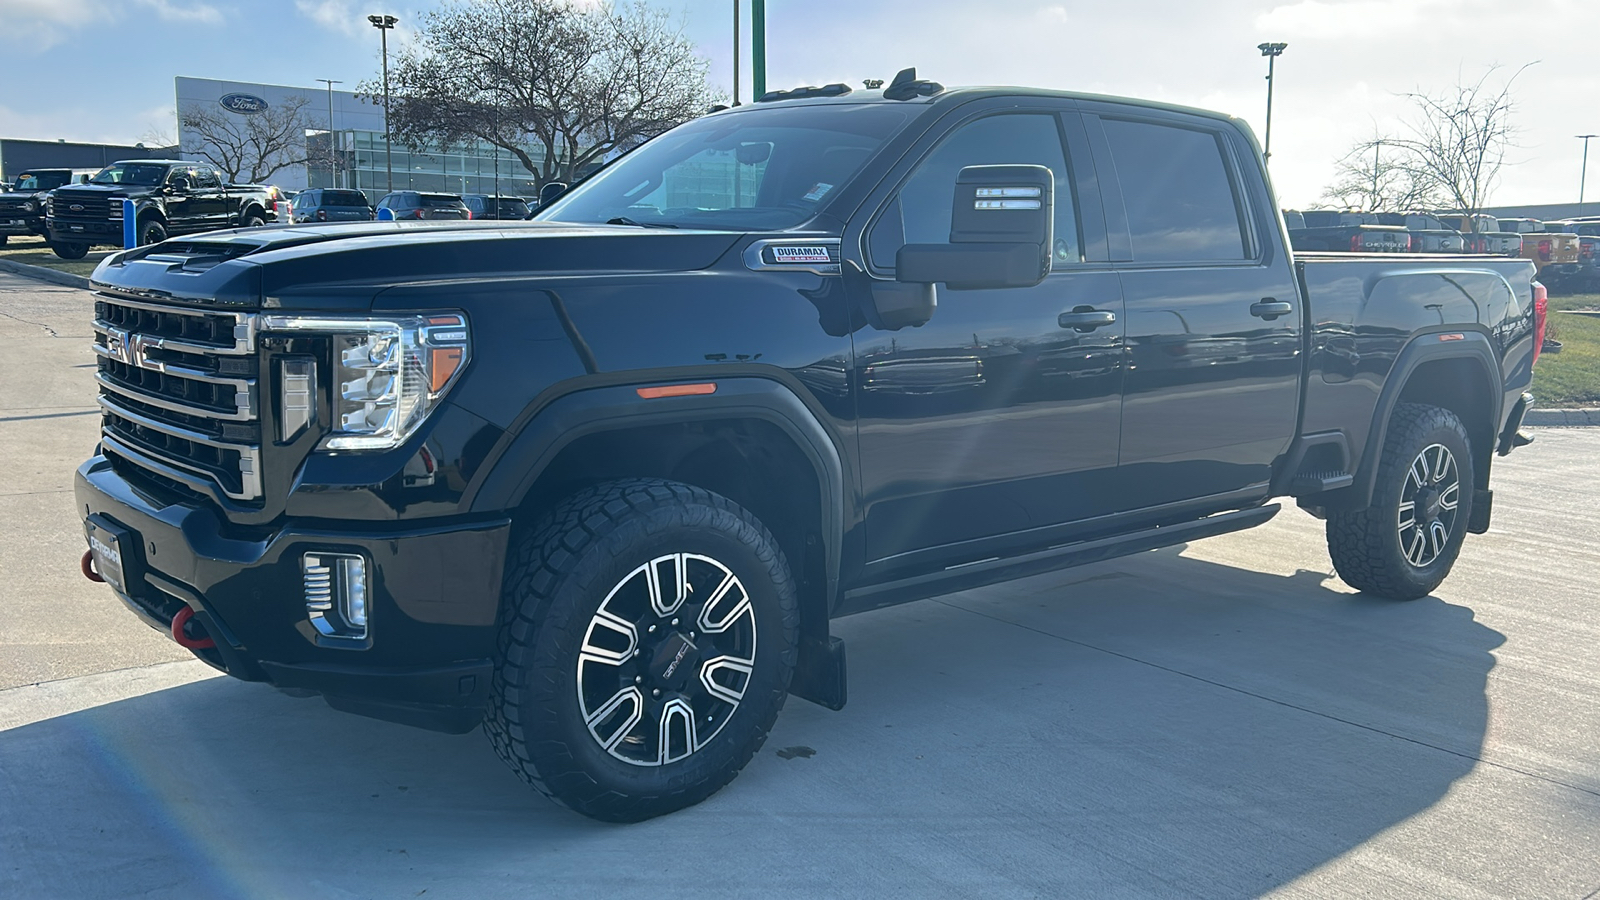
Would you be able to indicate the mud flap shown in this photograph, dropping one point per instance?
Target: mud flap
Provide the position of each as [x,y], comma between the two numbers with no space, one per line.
[820,674]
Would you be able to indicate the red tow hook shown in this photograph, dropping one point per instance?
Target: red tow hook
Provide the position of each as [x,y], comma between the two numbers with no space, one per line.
[87,565]
[178,623]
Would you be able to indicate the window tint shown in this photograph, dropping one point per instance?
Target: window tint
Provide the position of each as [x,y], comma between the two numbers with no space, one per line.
[441,200]
[342,198]
[920,214]
[1180,202]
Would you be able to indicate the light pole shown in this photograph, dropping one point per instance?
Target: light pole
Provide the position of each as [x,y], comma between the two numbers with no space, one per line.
[331,157]
[1584,175]
[1377,148]
[758,48]
[383,24]
[736,51]
[1271,52]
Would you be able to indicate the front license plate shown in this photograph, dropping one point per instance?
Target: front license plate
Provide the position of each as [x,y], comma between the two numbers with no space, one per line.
[19,222]
[75,227]
[107,543]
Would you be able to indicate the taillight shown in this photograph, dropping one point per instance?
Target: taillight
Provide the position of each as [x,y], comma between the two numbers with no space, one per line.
[1355,243]
[1544,250]
[1541,310]
[1586,251]
[322,215]
[469,213]
[1414,243]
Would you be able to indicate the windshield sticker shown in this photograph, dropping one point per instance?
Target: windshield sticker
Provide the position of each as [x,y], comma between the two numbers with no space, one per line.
[800,255]
[818,191]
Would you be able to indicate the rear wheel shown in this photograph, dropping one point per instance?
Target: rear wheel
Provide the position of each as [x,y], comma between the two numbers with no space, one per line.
[253,220]
[649,637]
[1403,545]
[69,249]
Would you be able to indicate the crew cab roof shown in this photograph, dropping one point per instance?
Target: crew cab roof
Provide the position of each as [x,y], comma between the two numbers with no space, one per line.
[957,95]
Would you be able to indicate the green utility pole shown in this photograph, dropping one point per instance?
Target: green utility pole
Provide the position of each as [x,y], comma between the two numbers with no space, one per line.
[758,47]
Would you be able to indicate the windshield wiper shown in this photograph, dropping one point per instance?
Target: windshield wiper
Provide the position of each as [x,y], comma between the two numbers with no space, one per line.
[624,220]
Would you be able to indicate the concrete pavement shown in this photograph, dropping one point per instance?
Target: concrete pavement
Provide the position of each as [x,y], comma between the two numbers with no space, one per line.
[1220,720]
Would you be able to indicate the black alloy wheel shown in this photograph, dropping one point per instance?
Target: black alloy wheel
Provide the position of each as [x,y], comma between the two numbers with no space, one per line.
[648,637]
[1405,542]
[151,232]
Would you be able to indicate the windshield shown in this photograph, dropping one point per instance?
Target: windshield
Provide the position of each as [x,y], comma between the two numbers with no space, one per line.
[131,173]
[757,169]
[42,181]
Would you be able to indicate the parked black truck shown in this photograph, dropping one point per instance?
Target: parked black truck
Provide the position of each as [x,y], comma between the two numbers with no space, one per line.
[1341,230]
[599,481]
[22,202]
[171,197]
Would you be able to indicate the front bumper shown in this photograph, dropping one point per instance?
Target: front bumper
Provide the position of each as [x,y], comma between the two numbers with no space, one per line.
[17,224]
[93,231]
[433,607]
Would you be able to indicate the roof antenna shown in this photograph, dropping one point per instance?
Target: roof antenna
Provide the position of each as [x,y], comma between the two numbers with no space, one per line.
[907,86]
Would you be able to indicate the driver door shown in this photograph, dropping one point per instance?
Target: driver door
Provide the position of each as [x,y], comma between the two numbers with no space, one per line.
[997,420]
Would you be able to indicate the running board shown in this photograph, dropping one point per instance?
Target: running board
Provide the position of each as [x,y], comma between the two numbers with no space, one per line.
[994,571]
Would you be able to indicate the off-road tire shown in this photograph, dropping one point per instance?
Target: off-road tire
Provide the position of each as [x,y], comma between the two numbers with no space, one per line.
[1365,544]
[151,232]
[558,574]
[4,238]
[70,249]
[252,221]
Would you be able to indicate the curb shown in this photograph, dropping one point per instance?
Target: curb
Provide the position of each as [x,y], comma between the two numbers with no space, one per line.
[44,274]
[1563,417]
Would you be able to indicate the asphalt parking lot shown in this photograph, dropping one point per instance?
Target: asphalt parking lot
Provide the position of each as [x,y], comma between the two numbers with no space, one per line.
[1225,719]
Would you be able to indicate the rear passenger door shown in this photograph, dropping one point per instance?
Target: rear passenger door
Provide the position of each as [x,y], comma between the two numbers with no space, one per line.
[1211,394]
[995,420]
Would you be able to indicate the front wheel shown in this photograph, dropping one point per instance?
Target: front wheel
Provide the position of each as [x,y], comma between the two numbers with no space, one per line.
[648,637]
[70,249]
[151,232]
[1403,545]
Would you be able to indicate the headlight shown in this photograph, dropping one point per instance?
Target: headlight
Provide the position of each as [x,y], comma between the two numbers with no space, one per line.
[30,206]
[116,208]
[388,373]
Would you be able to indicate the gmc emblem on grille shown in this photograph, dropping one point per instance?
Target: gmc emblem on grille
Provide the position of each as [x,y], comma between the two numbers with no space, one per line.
[117,346]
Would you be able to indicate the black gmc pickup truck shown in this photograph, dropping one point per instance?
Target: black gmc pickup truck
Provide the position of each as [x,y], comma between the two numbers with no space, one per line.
[599,481]
[171,197]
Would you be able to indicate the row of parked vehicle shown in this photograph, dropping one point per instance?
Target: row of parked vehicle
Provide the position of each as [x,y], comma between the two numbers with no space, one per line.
[76,209]
[1566,253]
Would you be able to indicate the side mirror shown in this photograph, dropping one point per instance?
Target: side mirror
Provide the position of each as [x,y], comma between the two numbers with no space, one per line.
[1000,232]
[551,191]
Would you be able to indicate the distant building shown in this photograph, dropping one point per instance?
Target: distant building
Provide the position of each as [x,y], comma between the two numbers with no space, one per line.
[18,156]
[356,133]
[1546,212]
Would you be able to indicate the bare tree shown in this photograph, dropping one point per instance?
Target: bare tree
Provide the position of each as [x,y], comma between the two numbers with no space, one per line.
[1378,176]
[1451,153]
[574,82]
[249,148]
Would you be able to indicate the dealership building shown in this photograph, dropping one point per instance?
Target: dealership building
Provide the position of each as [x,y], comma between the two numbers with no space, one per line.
[353,127]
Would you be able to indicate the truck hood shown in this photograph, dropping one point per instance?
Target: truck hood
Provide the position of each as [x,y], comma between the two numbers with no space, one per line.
[344,266]
[106,190]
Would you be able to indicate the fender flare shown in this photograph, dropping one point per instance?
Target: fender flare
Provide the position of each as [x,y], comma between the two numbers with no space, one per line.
[518,463]
[1424,348]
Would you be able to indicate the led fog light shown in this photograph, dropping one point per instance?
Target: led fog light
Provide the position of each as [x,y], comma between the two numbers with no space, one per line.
[336,594]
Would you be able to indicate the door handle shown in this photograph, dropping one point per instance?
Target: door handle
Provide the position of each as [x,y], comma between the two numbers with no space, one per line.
[1270,309]
[1086,318]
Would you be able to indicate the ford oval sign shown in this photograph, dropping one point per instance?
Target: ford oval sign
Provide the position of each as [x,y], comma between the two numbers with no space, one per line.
[243,104]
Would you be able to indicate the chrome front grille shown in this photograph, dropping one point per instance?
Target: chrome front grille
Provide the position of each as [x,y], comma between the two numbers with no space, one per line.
[180,393]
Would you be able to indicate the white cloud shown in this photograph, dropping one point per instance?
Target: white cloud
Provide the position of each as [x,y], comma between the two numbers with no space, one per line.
[47,22]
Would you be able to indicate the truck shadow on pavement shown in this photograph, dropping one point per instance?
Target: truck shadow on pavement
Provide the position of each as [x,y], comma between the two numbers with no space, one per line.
[1158,725]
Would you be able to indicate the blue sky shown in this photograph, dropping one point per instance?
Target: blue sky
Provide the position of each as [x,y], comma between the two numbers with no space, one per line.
[1337,82]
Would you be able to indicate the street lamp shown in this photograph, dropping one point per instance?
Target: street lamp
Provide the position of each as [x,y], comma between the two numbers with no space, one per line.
[331,157]
[1271,52]
[1584,175]
[383,24]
